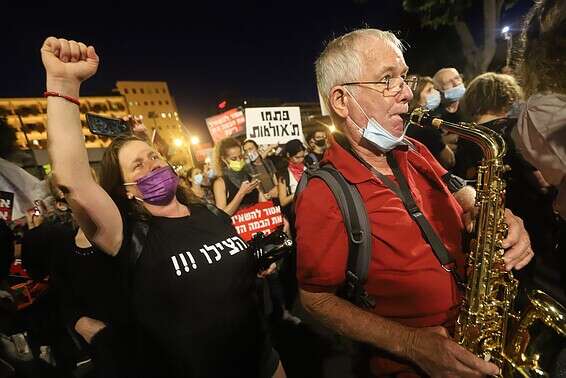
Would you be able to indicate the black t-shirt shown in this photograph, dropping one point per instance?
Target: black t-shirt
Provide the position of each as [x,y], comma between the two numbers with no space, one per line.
[88,282]
[194,299]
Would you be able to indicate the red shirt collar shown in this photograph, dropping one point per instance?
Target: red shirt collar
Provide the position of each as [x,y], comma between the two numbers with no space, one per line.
[351,168]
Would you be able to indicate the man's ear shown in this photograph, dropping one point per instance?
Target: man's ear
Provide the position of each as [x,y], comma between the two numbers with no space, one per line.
[338,101]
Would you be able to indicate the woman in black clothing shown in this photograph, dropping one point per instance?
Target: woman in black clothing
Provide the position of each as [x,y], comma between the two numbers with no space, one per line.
[91,304]
[190,280]
[234,188]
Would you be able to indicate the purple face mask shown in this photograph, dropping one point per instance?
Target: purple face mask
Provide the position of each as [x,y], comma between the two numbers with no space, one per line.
[158,187]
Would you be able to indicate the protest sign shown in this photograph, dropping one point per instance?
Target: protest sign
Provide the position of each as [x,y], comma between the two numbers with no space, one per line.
[227,124]
[273,125]
[6,205]
[264,217]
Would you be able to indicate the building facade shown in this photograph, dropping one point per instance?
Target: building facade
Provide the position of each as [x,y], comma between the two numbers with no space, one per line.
[28,117]
[151,101]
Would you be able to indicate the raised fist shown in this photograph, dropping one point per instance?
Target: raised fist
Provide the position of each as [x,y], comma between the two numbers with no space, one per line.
[68,61]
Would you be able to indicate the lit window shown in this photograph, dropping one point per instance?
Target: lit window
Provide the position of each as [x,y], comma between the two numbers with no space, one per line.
[131,103]
[175,114]
[163,115]
[169,115]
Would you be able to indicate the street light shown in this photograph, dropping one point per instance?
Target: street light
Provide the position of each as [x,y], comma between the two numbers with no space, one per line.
[178,142]
[508,36]
[195,140]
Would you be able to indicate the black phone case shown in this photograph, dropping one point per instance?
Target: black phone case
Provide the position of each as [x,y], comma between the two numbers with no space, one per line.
[106,126]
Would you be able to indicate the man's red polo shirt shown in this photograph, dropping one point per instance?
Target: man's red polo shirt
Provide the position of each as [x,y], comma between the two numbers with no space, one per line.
[405,278]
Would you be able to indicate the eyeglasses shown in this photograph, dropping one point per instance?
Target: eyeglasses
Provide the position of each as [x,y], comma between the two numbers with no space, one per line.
[393,85]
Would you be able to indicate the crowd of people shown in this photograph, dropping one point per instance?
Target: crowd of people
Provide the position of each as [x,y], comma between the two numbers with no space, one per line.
[120,288]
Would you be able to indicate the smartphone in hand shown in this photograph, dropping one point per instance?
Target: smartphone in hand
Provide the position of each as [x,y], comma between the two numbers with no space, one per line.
[107,126]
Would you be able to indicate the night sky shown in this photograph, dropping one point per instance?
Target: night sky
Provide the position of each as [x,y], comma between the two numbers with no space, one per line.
[218,50]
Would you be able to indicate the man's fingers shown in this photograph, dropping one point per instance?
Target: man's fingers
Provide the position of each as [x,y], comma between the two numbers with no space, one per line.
[525,260]
[515,228]
[65,52]
[518,252]
[475,363]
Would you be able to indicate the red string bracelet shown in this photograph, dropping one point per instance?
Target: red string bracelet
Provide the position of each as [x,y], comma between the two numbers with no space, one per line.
[68,98]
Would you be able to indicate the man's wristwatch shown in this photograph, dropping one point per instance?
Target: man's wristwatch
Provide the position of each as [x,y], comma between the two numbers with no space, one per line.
[453,182]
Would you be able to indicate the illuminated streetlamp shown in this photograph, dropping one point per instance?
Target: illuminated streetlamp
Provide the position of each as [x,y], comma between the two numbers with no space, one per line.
[195,140]
[178,142]
[508,36]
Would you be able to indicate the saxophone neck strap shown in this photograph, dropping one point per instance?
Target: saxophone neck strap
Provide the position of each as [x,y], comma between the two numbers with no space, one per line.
[401,189]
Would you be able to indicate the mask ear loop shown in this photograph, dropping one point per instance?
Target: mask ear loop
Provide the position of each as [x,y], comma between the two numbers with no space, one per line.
[361,130]
[357,103]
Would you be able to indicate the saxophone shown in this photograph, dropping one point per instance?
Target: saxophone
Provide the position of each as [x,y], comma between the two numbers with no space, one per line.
[521,344]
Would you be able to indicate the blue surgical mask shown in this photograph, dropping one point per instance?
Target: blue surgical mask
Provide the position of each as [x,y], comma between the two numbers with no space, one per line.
[211,174]
[432,100]
[454,94]
[198,178]
[377,134]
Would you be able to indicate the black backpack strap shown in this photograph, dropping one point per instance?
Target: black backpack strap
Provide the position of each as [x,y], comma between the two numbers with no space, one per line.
[357,225]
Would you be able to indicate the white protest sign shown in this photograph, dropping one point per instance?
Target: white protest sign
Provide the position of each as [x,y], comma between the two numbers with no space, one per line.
[273,125]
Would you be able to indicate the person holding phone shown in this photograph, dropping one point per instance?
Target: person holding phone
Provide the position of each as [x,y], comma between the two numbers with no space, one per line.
[191,283]
[234,188]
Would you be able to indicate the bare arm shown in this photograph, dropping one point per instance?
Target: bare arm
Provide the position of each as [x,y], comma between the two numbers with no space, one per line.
[284,199]
[219,189]
[430,348]
[67,64]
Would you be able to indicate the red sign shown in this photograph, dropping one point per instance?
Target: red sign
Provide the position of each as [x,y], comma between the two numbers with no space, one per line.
[226,124]
[6,205]
[264,217]
[202,151]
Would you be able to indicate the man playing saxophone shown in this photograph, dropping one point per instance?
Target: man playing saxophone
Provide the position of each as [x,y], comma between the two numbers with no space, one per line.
[362,77]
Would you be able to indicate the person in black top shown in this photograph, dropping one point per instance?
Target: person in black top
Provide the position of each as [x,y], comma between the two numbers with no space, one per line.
[492,100]
[261,168]
[317,141]
[190,278]
[91,304]
[426,96]
[234,187]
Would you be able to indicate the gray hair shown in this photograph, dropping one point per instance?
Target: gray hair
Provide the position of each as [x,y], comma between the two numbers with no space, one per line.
[342,59]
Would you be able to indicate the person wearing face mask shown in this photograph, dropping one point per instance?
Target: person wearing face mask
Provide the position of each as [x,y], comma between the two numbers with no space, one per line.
[262,169]
[362,78]
[426,96]
[190,279]
[234,187]
[318,143]
[196,178]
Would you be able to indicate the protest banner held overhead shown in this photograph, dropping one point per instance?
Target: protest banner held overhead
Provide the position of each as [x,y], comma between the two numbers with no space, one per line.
[273,125]
[229,123]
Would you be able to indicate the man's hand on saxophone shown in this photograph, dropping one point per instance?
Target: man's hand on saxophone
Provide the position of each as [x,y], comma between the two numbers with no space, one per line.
[517,244]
